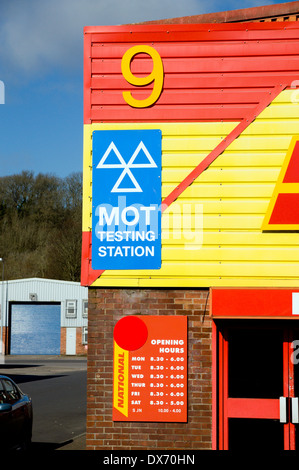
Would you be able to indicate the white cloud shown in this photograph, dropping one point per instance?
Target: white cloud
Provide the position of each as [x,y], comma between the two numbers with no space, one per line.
[39,34]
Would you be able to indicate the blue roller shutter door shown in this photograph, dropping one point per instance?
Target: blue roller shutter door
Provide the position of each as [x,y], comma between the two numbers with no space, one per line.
[35,329]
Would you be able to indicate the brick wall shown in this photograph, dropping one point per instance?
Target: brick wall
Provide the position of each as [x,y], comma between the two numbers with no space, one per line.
[5,333]
[106,307]
[80,347]
[63,341]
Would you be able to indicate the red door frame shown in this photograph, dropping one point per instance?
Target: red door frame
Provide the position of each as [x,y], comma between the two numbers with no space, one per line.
[243,407]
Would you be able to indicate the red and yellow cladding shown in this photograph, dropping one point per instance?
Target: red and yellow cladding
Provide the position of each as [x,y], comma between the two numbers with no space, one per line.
[222,96]
[283,209]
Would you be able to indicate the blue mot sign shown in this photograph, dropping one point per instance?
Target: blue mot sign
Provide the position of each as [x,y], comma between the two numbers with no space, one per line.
[126,199]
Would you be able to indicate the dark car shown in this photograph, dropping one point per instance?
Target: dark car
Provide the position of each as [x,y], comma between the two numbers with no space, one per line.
[15,416]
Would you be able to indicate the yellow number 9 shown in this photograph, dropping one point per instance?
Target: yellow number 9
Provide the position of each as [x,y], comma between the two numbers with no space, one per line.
[155,76]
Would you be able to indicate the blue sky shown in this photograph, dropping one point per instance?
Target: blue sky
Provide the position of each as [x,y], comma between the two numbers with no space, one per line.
[41,67]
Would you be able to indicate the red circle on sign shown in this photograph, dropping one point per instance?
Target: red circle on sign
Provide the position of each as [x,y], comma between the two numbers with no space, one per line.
[130,333]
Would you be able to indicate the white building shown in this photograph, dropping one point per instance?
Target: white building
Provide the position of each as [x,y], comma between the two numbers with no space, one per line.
[43,316]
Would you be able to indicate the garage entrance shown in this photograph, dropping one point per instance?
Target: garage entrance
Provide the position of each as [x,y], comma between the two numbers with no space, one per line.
[258,379]
[257,363]
[34,328]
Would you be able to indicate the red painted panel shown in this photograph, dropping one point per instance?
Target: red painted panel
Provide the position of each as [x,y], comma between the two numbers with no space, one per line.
[229,81]
[193,32]
[292,173]
[286,209]
[196,97]
[253,408]
[230,59]
[233,303]
[217,65]
[169,114]
[203,49]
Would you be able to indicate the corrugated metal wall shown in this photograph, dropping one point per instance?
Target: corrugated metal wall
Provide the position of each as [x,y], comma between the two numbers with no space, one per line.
[47,290]
[231,70]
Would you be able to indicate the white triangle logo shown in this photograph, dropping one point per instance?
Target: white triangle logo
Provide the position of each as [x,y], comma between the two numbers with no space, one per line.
[126,167]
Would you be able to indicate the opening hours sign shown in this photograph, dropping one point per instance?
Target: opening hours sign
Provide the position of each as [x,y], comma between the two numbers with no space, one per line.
[150,369]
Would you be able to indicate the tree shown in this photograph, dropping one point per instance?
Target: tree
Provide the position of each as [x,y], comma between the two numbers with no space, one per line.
[40,219]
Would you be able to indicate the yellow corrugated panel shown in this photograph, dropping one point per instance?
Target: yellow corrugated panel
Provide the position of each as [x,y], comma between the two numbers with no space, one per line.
[288,96]
[195,282]
[225,245]
[225,238]
[175,269]
[217,175]
[223,253]
[216,205]
[190,143]
[238,190]
[249,160]
[281,111]
[260,143]
[233,222]
[270,127]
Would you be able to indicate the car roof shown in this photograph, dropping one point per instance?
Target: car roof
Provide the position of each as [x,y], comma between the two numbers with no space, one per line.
[5,377]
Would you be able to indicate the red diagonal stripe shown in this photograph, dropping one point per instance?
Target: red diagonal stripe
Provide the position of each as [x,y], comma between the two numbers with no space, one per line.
[222,146]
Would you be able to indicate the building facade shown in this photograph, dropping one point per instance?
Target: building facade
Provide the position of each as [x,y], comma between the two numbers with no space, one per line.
[221,92]
[44,316]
